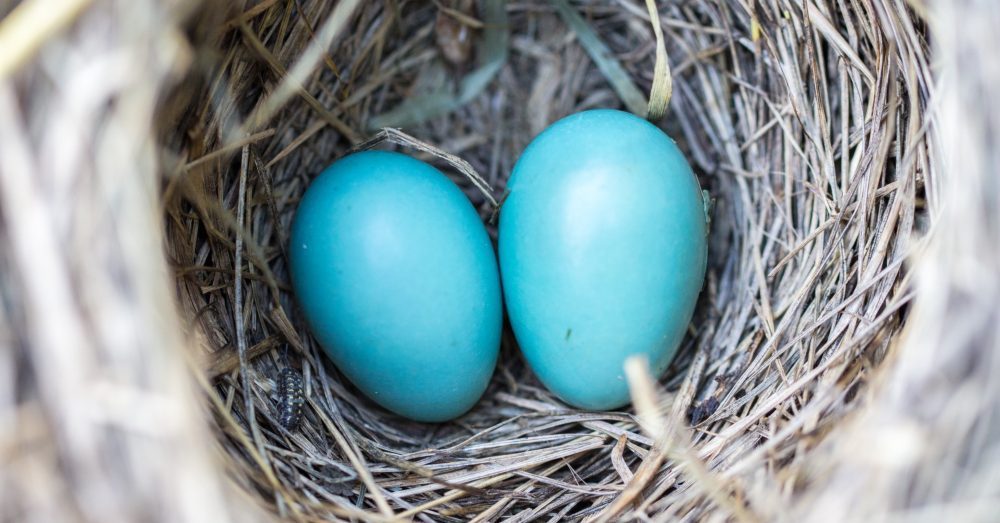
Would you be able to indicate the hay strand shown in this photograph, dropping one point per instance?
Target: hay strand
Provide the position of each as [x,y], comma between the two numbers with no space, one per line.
[30,25]
[663,83]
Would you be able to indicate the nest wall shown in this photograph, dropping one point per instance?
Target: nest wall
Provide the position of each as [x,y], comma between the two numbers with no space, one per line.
[799,132]
[164,231]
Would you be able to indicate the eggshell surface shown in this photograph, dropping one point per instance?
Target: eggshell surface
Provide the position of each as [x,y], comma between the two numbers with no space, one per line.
[602,253]
[397,278]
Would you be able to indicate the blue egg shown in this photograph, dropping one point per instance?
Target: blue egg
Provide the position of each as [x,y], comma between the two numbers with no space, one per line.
[398,281]
[602,253]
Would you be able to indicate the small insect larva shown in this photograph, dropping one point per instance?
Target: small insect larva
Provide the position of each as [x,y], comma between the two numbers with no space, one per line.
[290,398]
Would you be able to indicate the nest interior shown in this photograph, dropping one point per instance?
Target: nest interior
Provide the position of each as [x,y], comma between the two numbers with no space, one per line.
[805,121]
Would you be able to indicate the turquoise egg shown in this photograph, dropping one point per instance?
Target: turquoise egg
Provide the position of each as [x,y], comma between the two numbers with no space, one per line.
[602,253]
[398,281]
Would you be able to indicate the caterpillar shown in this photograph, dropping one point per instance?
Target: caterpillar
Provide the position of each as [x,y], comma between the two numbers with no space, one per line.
[290,398]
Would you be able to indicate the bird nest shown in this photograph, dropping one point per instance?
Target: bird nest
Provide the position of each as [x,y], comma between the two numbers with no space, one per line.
[807,122]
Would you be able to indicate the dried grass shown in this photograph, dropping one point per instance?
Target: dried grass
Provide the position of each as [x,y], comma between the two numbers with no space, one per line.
[809,122]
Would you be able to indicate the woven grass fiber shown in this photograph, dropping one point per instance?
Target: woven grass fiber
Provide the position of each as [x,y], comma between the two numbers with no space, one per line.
[840,365]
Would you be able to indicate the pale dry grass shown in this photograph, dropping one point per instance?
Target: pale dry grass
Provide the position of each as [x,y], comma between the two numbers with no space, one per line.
[808,122]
